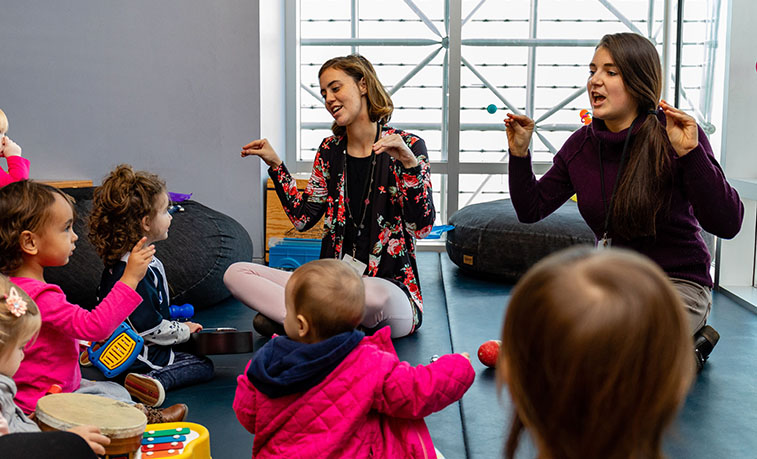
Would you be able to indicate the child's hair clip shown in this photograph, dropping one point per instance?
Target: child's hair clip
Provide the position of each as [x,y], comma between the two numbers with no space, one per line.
[15,304]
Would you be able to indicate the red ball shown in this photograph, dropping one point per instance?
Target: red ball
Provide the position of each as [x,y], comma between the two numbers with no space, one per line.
[488,353]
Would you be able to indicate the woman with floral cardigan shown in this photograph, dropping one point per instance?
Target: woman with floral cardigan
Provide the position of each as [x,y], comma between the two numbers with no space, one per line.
[373,183]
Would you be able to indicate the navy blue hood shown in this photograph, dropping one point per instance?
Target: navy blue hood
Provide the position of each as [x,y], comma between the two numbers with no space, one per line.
[283,366]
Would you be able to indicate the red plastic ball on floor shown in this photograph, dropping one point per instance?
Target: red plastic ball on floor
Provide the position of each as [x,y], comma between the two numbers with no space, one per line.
[488,353]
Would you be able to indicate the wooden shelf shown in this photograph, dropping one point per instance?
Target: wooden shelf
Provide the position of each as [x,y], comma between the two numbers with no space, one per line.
[66,183]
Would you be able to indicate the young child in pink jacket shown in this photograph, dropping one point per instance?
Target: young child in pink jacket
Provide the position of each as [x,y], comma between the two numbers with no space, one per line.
[327,390]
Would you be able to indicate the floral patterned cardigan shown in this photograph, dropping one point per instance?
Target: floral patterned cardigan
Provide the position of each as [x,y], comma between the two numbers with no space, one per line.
[402,204]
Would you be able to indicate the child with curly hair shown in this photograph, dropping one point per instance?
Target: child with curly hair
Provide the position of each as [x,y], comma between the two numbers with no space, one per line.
[128,206]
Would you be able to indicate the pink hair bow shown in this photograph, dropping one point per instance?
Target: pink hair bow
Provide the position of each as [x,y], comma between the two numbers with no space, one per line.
[15,304]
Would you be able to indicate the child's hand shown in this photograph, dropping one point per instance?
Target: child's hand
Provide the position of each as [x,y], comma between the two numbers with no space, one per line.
[9,147]
[466,355]
[193,327]
[93,437]
[139,260]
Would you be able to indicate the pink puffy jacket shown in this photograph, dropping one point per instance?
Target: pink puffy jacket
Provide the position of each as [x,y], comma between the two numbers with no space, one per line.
[371,405]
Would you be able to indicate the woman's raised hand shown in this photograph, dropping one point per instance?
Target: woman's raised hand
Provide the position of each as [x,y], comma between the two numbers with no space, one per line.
[682,129]
[395,146]
[519,130]
[264,150]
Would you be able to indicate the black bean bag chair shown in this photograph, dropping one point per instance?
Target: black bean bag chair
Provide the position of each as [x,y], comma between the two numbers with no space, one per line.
[202,243]
[489,241]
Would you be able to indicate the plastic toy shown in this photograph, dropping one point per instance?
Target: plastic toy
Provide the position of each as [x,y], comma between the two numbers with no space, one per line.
[185,311]
[118,352]
[488,353]
[585,117]
[491,108]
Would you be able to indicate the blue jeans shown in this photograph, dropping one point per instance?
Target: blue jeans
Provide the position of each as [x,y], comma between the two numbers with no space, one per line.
[186,369]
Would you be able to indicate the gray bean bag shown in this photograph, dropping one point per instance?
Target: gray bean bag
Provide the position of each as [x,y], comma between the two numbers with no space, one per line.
[489,241]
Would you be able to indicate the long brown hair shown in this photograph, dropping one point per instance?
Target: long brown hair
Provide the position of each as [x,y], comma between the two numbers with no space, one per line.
[597,355]
[644,185]
[24,206]
[118,206]
[380,106]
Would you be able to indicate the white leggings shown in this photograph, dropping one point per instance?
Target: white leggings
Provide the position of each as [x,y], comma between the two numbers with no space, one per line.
[262,288]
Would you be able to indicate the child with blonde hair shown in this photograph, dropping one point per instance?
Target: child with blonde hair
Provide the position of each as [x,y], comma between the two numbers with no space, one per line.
[128,206]
[18,167]
[596,354]
[19,324]
[327,390]
[36,232]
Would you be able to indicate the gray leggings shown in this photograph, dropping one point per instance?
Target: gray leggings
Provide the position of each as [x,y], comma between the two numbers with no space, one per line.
[261,288]
[698,302]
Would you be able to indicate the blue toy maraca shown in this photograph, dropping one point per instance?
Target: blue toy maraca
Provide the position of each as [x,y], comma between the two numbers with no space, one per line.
[185,311]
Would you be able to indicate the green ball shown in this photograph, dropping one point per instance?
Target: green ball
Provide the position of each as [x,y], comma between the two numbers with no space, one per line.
[491,109]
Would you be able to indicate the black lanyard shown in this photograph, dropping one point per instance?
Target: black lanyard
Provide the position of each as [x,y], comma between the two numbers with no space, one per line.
[608,208]
[366,197]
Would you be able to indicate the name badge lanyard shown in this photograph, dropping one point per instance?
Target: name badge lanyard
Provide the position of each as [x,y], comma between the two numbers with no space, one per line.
[606,241]
[367,193]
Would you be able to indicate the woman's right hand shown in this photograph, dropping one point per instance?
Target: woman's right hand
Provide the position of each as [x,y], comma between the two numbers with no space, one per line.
[136,266]
[519,130]
[93,437]
[9,147]
[264,150]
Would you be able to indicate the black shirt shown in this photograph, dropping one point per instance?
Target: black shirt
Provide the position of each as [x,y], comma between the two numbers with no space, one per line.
[357,180]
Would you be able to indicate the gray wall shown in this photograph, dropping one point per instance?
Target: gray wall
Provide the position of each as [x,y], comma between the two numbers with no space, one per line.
[171,86]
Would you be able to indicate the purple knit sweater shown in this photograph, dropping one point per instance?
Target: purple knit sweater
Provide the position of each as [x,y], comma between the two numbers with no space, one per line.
[701,197]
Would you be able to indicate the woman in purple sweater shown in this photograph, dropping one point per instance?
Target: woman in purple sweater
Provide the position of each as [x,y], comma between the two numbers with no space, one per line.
[645,178]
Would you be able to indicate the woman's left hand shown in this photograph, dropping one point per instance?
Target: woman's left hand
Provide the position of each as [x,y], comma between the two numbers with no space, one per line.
[397,149]
[682,129]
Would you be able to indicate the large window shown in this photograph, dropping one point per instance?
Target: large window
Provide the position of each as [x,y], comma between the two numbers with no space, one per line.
[446,61]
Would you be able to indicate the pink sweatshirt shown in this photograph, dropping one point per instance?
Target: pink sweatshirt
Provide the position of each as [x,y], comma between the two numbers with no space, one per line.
[18,169]
[371,405]
[54,357]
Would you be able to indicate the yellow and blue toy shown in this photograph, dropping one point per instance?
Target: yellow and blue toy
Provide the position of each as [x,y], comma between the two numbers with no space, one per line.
[118,352]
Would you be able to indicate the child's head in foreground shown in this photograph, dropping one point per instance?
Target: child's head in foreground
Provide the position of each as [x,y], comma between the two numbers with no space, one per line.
[323,298]
[127,206]
[37,222]
[597,355]
[19,323]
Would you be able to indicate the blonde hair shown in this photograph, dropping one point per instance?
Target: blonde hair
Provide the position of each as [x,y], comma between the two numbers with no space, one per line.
[329,294]
[380,106]
[3,123]
[597,355]
[15,329]
[118,206]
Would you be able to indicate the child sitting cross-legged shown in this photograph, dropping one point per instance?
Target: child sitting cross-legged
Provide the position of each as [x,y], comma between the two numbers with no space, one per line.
[327,390]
